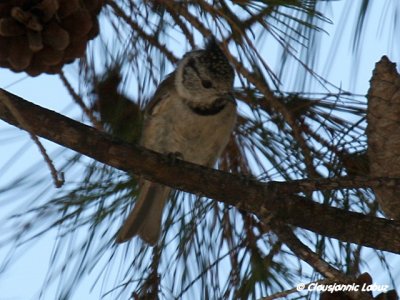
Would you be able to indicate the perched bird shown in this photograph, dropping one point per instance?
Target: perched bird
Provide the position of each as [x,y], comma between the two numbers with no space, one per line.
[193,113]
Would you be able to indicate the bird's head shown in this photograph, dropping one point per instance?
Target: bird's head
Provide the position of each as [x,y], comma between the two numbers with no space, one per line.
[204,75]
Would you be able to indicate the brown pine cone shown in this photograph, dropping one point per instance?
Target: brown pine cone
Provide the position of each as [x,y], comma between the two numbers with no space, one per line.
[46,9]
[20,55]
[67,8]
[78,24]
[55,36]
[11,27]
[42,35]
[49,56]
[35,40]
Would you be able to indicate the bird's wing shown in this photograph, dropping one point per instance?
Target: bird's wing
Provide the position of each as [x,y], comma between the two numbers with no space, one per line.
[162,91]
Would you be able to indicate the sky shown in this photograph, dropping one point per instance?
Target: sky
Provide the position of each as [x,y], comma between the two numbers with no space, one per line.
[25,277]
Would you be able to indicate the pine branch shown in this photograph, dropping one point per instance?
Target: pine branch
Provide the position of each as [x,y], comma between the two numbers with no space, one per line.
[263,199]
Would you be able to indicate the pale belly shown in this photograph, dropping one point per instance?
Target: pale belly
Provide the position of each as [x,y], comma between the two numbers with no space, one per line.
[199,139]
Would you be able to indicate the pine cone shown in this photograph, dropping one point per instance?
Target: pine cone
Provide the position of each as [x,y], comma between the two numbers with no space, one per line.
[41,36]
[383,132]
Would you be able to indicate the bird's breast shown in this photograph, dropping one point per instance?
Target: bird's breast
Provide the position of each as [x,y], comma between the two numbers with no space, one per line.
[200,138]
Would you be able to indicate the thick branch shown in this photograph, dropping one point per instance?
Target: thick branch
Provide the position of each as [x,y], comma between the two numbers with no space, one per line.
[259,198]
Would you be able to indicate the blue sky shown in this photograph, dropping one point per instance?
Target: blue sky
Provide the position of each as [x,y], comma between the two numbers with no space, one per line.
[24,278]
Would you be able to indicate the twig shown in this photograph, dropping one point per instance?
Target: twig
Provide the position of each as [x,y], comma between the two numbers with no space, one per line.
[136,28]
[182,26]
[185,13]
[279,107]
[286,235]
[57,178]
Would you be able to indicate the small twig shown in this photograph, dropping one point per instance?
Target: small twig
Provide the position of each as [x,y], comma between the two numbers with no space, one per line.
[58,178]
[182,26]
[280,107]
[118,11]
[286,235]
[190,18]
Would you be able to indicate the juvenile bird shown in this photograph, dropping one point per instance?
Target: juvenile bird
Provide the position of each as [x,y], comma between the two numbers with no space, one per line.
[193,113]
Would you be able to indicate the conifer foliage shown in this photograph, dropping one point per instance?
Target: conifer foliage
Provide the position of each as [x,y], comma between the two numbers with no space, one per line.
[294,126]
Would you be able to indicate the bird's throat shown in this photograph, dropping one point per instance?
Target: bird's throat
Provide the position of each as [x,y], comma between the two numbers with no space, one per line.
[209,109]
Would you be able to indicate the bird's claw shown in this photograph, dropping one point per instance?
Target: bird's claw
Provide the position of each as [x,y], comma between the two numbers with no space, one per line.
[173,156]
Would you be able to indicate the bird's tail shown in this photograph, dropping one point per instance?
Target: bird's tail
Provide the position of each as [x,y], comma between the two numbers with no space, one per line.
[145,218]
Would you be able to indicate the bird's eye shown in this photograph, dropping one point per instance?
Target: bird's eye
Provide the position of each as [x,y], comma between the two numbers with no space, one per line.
[206,84]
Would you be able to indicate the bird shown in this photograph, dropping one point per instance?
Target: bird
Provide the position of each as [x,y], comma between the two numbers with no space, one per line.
[192,114]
